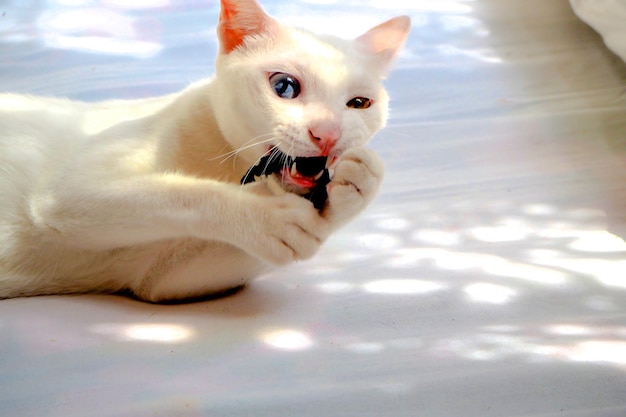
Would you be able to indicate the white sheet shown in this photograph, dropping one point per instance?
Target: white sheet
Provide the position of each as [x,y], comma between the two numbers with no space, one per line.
[488,279]
[607,17]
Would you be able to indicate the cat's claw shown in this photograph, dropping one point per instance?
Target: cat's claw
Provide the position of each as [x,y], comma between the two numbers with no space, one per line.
[355,183]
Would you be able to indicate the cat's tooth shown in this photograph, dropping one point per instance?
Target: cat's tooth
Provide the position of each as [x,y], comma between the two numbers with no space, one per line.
[294,170]
[318,176]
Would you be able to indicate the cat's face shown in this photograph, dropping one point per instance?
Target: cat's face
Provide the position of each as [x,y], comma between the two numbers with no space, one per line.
[306,95]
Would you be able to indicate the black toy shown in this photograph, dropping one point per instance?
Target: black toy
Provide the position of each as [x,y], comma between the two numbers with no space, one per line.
[309,167]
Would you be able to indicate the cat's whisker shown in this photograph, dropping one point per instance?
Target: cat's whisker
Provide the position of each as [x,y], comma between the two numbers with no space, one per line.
[235,152]
[289,156]
[247,145]
[274,151]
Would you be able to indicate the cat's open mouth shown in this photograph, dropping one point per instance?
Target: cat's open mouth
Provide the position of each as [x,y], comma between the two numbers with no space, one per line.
[304,175]
[304,172]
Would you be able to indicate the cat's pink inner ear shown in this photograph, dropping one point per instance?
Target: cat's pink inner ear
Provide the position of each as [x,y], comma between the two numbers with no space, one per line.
[387,38]
[238,19]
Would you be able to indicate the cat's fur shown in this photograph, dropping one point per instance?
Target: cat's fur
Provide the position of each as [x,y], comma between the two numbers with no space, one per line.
[144,196]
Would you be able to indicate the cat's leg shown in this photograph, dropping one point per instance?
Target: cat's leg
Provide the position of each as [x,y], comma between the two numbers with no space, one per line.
[193,268]
[355,183]
[114,214]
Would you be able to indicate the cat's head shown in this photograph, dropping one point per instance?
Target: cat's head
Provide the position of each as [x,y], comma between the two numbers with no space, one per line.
[309,95]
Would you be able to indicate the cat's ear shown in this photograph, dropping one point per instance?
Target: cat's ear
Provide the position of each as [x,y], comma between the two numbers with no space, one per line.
[241,18]
[386,39]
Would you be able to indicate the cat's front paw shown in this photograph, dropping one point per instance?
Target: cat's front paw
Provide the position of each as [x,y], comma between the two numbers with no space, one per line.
[284,229]
[355,182]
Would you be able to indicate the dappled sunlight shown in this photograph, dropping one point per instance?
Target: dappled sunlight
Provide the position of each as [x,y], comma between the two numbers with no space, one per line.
[146,332]
[569,330]
[287,340]
[531,273]
[437,237]
[610,273]
[378,241]
[557,343]
[482,292]
[599,241]
[403,286]
[598,351]
[507,230]
[335,287]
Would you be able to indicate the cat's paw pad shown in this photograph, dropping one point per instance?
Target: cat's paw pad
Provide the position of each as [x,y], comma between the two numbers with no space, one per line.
[355,182]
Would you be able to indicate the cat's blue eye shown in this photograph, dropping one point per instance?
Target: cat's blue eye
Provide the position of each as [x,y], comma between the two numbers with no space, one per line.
[360,103]
[285,85]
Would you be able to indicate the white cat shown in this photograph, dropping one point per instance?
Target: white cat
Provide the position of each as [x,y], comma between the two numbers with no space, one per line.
[144,196]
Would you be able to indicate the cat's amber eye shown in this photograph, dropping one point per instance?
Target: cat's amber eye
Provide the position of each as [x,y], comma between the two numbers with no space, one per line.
[360,103]
[285,85]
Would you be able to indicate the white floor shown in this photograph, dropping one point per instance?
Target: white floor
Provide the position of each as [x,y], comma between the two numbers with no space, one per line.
[489,278]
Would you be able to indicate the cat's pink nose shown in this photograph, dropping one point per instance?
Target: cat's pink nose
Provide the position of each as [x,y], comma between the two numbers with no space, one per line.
[325,139]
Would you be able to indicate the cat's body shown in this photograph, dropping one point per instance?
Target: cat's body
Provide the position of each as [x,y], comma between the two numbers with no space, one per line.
[144,195]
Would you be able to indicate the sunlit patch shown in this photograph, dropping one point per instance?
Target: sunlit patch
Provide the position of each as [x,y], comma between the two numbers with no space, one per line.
[402,286]
[165,333]
[481,355]
[458,261]
[287,339]
[569,330]
[393,224]
[607,272]
[599,241]
[366,347]
[335,287]
[148,332]
[379,241]
[507,231]
[483,292]
[444,259]
[539,209]
[531,273]
[536,254]
[437,237]
[606,351]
